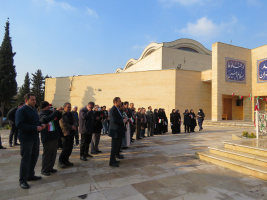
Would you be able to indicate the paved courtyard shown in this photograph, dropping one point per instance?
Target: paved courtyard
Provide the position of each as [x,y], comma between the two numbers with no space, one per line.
[161,167]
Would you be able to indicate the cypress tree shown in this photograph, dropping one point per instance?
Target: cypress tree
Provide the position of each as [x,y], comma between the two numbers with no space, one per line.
[8,84]
[24,89]
[38,81]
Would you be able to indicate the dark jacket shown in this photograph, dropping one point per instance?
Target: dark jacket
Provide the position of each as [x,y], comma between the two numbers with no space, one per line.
[187,119]
[116,127]
[98,123]
[11,115]
[150,116]
[75,115]
[46,116]
[27,121]
[66,123]
[86,121]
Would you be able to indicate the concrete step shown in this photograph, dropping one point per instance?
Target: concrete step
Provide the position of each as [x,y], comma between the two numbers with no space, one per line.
[229,123]
[239,166]
[240,156]
[249,146]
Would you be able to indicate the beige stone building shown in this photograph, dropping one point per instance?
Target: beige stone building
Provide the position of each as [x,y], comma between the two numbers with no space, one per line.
[182,74]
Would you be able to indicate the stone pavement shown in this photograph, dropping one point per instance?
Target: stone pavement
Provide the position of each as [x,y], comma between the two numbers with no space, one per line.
[161,167]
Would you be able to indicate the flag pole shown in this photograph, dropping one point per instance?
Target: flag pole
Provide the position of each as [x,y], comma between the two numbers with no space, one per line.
[257,119]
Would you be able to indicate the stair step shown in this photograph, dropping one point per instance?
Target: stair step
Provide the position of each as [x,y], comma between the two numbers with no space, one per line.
[251,146]
[241,156]
[242,167]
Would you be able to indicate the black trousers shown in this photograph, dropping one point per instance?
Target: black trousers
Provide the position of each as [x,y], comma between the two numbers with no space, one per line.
[138,129]
[13,133]
[29,151]
[67,143]
[115,148]
[95,142]
[150,129]
[192,128]
[76,136]
[186,128]
[85,143]
[49,155]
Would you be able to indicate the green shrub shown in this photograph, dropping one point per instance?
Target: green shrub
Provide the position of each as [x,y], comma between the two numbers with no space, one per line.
[247,135]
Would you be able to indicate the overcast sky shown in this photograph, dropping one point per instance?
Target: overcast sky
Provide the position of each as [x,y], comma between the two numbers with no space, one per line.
[81,37]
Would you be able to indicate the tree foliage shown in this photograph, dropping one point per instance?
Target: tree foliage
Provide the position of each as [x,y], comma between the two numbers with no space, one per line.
[8,84]
[24,89]
[38,81]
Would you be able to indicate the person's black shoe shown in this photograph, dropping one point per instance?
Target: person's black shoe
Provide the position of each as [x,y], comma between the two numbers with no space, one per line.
[93,153]
[121,151]
[124,147]
[46,173]
[1,147]
[53,171]
[98,151]
[114,164]
[120,156]
[90,156]
[69,164]
[10,145]
[62,166]
[24,185]
[117,161]
[83,158]
[34,178]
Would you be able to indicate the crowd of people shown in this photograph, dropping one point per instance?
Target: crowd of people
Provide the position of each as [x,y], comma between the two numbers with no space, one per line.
[60,128]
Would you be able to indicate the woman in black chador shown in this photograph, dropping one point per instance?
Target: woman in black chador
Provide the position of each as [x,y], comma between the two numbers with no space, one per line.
[179,120]
[200,119]
[187,121]
[161,121]
[175,122]
[193,121]
[165,124]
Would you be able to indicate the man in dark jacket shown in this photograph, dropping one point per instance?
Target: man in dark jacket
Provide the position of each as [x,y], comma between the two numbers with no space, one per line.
[68,126]
[116,131]
[13,131]
[28,124]
[150,122]
[49,136]
[86,124]
[75,114]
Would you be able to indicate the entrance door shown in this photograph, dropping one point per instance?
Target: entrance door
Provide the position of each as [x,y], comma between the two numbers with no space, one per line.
[227,108]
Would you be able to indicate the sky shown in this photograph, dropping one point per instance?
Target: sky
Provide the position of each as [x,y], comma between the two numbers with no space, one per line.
[84,37]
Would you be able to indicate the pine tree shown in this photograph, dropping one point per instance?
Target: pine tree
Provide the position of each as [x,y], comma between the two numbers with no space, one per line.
[38,81]
[8,84]
[24,89]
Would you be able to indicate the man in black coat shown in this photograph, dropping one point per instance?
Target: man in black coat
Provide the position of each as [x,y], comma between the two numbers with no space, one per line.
[150,122]
[28,124]
[49,136]
[116,131]
[13,131]
[86,124]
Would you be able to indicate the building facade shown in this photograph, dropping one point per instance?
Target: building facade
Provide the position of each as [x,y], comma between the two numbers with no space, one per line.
[182,74]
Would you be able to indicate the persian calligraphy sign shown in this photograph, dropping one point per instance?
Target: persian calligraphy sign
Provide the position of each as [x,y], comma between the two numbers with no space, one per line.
[235,70]
[262,70]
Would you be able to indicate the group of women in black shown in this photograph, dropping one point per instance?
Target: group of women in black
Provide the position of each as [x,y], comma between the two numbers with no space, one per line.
[190,120]
[161,121]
